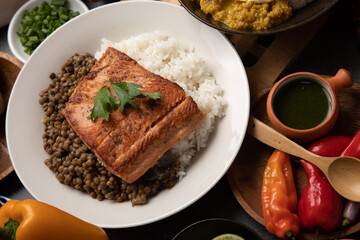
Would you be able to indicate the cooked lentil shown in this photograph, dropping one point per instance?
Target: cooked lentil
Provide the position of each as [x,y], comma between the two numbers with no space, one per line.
[70,159]
[247,15]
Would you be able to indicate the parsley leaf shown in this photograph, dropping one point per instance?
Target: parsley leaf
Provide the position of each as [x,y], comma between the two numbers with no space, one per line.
[127,91]
[103,100]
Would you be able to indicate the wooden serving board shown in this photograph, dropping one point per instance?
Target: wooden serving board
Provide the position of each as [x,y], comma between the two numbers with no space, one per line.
[246,173]
[9,69]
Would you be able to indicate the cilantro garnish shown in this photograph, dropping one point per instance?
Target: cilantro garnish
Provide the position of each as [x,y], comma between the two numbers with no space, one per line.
[104,102]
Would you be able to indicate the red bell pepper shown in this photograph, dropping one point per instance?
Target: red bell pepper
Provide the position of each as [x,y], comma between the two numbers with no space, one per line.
[351,209]
[353,148]
[330,146]
[320,206]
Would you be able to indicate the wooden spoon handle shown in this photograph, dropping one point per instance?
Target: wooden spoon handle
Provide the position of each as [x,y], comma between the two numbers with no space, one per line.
[273,138]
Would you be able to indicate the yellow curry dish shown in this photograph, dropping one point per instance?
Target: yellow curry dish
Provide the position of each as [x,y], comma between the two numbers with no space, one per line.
[248,14]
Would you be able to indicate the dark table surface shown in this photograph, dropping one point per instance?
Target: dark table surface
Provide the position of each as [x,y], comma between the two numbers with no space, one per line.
[335,46]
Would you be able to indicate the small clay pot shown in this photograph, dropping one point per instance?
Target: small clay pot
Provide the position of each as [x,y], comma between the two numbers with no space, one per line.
[334,85]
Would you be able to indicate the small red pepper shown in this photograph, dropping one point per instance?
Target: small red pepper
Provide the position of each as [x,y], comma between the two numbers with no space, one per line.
[320,206]
[330,146]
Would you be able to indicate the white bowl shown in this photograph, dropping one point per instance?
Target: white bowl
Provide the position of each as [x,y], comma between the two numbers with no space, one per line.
[14,40]
[116,22]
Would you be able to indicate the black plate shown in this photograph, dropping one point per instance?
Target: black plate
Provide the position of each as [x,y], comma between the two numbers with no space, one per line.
[300,17]
[210,228]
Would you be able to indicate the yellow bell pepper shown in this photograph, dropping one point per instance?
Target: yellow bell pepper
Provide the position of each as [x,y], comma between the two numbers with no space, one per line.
[35,220]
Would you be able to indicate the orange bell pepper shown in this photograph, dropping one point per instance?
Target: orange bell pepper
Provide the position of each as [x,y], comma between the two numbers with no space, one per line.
[31,219]
[279,198]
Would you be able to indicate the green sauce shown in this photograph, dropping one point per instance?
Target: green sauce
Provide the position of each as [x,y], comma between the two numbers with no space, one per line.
[302,104]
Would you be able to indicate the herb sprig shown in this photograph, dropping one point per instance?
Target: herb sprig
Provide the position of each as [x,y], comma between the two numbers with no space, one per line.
[104,103]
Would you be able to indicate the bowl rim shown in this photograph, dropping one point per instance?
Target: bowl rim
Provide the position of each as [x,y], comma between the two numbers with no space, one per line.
[14,23]
[216,219]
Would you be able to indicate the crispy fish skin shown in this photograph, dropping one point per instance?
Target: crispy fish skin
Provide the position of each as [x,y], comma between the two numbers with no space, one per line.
[131,142]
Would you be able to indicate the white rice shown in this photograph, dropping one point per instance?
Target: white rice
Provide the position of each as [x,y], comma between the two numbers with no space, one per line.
[296,4]
[170,59]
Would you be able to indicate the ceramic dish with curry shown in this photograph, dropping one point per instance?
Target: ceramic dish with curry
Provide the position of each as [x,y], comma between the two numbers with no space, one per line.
[256,17]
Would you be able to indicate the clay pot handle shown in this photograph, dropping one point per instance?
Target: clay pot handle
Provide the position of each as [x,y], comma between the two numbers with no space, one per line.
[342,79]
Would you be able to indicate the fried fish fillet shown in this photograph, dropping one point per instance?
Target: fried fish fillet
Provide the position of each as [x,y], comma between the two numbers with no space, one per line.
[131,142]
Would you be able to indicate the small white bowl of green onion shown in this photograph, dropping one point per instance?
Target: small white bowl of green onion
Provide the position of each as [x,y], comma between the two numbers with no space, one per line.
[36,20]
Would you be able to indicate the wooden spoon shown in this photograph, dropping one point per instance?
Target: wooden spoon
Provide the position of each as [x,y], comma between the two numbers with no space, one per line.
[343,173]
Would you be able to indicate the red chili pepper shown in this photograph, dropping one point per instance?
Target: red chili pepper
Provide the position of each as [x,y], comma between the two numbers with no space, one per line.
[320,206]
[330,146]
[353,148]
[278,197]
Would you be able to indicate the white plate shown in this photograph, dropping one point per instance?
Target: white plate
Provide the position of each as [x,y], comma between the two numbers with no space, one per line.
[119,21]
[14,40]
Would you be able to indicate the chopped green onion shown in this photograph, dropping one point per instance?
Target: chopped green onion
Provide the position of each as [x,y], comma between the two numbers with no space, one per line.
[23,40]
[33,39]
[19,31]
[41,21]
[58,2]
[29,32]
[64,17]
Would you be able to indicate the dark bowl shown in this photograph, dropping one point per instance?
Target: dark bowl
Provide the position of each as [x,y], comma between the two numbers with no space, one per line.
[300,17]
[210,228]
